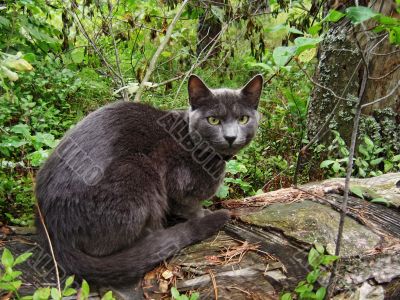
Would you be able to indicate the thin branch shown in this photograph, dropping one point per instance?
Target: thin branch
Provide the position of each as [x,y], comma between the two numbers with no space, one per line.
[117,60]
[323,129]
[386,75]
[153,86]
[92,43]
[384,97]
[197,63]
[322,86]
[385,54]
[343,214]
[160,48]
[50,247]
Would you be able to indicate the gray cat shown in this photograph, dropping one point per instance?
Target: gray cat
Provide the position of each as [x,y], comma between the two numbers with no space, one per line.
[108,190]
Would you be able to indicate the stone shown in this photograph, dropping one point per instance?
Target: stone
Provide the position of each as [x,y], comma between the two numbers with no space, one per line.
[311,222]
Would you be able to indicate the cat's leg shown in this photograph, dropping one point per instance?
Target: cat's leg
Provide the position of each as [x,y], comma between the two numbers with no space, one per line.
[186,210]
[128,203]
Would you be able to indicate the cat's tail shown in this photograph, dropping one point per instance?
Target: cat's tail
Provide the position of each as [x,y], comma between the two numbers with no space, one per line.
[131,264]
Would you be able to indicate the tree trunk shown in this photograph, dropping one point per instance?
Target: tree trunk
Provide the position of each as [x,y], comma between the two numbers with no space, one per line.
[340,68]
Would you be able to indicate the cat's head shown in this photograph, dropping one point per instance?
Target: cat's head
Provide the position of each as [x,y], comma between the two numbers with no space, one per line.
[226,118]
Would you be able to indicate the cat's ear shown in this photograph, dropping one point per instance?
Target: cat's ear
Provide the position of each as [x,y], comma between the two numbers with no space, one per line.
[197,91]
[252,90]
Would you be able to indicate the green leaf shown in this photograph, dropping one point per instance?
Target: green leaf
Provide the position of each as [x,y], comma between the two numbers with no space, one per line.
[387,166]
[13,275]
[85,289]
[69,281]
[320,248]
[38,157]
[281,55]
[55,294]
[223,191]
[175,293]
[381,201]
[286,296]
[295,31]
[359,14]
[376,161]
[23,257]
[313,276]
[108,296]
[194,296]
[69,292]
[304,288]
[315,29]
[328,259]
[314,258]
[7,258]
[276,28]
[207,203]
[30,57]
[78,55]
[396,158]
[7,286]
[326,163]
[305,43]
[42,294]
[320,294]
[333,16]
[21,129]
[356,190]
[336,167]
[4,22]
[45,139]
[218,13]
[233,167]
[369,143]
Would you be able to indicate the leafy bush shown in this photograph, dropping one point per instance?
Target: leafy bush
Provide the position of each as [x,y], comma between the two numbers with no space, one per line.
[308,288]
[10,282]
[373,158]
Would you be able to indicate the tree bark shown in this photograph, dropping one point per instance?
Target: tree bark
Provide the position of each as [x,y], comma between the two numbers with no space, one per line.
[340,68]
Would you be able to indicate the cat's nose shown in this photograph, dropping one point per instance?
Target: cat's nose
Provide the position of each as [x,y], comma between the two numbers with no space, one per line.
[230,139]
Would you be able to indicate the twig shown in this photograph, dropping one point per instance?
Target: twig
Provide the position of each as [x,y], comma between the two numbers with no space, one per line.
[117,60]
[385,54]
[92,43]
[384,97]
[160,48]
[349,171]
[50,247]
[197,63]
[214,282]
[386,75]
[320,85]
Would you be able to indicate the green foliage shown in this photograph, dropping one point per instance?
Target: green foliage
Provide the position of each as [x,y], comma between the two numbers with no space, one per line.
[177,296]
[373,158]
[10,282]
[308,289]
[35,112]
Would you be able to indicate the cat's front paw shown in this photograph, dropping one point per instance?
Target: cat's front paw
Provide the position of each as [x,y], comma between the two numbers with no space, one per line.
[202,212]
[215,220]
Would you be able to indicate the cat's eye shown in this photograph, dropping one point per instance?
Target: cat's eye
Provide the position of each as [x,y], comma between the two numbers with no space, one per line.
[213,121]
[243,120]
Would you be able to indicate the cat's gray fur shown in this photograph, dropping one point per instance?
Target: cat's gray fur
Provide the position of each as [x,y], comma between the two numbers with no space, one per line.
[108,189]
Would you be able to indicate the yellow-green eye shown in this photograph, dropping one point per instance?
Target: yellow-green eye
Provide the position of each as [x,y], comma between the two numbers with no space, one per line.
[213,121]
[243,120]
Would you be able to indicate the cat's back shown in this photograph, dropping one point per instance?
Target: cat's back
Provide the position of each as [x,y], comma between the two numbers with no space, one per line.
[116,130]
[119,124]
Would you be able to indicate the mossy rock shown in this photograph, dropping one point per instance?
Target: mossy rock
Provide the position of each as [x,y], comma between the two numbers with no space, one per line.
[311,222]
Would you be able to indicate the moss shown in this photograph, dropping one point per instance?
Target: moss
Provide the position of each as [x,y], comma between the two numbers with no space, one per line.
[313,222]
